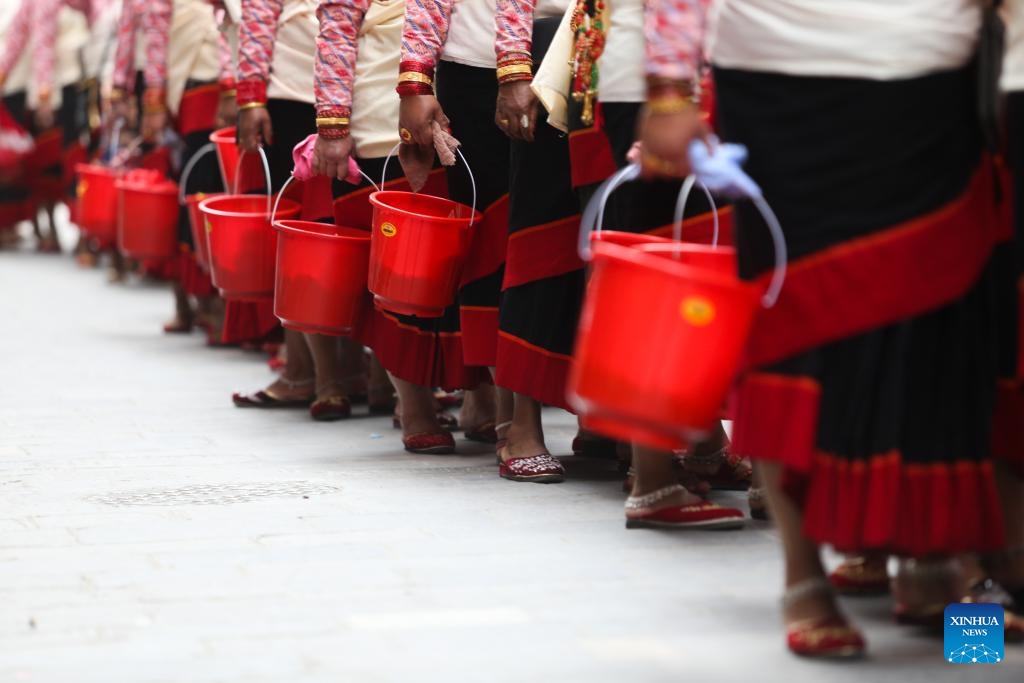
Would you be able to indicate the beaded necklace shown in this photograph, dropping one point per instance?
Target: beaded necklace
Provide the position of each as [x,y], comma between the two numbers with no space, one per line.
[588,26]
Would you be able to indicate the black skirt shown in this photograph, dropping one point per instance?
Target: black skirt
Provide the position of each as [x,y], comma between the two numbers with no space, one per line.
[467,94]
[872,379]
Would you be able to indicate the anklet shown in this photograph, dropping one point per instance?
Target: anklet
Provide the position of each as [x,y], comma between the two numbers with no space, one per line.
[648,499]
[804,589]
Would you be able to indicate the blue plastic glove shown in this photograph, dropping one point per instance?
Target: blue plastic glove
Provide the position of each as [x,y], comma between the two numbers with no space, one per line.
[720,170]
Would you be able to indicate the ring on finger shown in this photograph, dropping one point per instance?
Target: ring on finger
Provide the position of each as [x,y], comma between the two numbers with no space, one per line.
[405,134]
[503,123]
[524,121]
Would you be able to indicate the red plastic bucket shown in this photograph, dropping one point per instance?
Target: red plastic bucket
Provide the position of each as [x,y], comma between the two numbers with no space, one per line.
[661,334]
[234,166]
[321,276]
[243,246]
[197,223]
[147,217]
[97,203]
[669,332]
[418,247]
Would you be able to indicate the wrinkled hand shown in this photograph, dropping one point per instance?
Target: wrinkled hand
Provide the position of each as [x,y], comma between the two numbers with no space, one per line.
[330,157]
[154,123]
[517,104]
[227,111]
[254,127]
[665,140]
[416,114]
[44,116]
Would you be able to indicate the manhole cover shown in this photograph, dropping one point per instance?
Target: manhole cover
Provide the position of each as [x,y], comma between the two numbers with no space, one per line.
[215,494]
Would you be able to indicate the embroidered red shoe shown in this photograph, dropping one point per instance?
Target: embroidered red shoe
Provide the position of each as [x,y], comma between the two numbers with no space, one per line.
[542,468]
[860,576]
[826,638]
[641,513]
[430,444]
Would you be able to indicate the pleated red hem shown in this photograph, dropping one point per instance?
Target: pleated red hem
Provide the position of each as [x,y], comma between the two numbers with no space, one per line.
[248,321]
[532,371]
[479,325]
[423,357]
[877,503]
[194,280]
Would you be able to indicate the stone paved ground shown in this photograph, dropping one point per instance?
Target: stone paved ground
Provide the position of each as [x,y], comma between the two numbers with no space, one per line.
[149,532]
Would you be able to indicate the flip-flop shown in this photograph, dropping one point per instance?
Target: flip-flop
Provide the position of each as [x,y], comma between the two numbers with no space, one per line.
[262,399]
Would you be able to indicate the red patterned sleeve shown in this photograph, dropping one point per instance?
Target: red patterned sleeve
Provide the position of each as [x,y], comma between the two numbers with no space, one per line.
[17,36]
[224,56]
[337,47]
[124,54]
[425,33]
[514,24]
[44,43]
[256,36]
[156,26]
[674,30]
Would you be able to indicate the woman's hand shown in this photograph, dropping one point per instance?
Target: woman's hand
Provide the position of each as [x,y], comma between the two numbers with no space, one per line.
[44,116]
[330,157]
[416,114]
[516,111]
[665,140]
[254,127]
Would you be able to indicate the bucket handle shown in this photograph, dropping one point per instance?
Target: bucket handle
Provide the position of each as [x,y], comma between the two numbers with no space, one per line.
[458,150]
[291,177]
[266,173]
[187,171]
[114,141]
[593,215]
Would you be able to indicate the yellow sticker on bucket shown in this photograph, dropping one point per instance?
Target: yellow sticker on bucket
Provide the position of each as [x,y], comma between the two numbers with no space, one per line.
[83,187]
[697,310]
[388,229]
[209,228]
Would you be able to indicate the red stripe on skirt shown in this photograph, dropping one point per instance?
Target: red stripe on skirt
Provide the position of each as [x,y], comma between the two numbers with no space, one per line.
[479,325]
[880,503]
[198,110]
[247,321]
[490,236]
[530,370]
[866,283]
[542,251]
[426,358]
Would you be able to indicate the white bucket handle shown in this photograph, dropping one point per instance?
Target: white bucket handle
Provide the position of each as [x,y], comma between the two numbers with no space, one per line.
[472,180]
[114,142]
[266,173]
[682,199]
[593,216]
[277,202]
[187,171]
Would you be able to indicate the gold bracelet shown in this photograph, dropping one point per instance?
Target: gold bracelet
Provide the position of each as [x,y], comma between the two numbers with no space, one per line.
[252,105]
[513,69]
[670,105]
[229,93]
[415,76]
[332,121]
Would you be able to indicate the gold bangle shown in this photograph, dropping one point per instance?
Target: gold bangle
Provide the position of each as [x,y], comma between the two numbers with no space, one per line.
[670,105]
[415,76]
[252,105]
[332,121]
[229,93]
[514,69]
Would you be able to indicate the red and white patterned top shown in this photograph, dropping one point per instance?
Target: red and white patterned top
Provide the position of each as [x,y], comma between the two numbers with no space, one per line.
[257,34]
[426,30]
[337,47]
[35,27]
[514,22]
[674,30]
[147,16]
